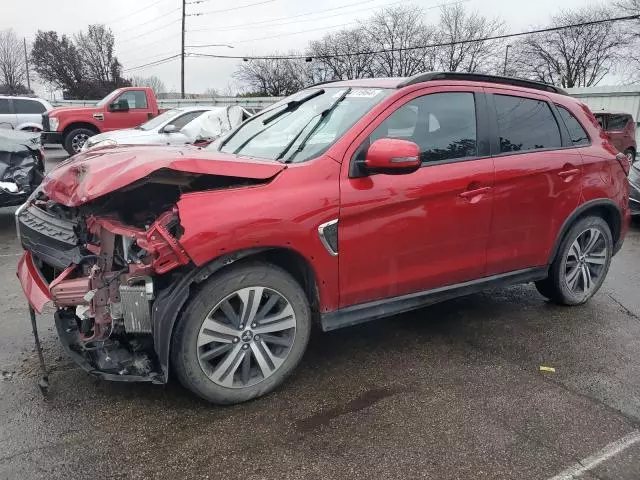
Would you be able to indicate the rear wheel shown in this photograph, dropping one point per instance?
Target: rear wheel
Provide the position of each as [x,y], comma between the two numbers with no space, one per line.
[76,138]
[581,264]
[631,155]
[242,334]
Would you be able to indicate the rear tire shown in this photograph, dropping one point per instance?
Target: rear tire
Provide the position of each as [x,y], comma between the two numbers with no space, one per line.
[74,140]
[229,349]
[581,263]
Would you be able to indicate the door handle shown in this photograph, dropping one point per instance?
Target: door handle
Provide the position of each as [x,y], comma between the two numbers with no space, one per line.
[569,173]
[475,192]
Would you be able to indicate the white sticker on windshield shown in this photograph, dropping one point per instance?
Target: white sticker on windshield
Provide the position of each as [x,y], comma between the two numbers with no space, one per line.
[360,93]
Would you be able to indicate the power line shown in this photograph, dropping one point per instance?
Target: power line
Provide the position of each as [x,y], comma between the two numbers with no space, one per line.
[230,9]
[331,16]
[154,42]
[155,29]
[128,15]
[151,64]
[248,40]
[419,47]
[230,27]
[148,22]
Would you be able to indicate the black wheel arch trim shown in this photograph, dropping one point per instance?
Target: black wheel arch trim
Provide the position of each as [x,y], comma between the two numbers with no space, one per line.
[570,220]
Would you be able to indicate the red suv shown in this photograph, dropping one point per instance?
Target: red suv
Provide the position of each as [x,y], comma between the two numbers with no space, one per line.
[346,202]
[622,131]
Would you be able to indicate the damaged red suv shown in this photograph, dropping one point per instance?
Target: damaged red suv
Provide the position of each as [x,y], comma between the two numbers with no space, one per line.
[346,202]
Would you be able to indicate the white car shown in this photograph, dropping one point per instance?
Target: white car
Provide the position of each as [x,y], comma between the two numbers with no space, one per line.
[22,113]
[175,127]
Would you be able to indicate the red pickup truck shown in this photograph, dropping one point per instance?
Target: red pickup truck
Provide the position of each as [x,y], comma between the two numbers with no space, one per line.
[123,108]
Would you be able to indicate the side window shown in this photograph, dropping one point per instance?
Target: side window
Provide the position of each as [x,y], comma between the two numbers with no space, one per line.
[136,98]
[617,123]
[4,106]
[186,118]
[525,124]
[21,105]
[578,136]
[443,125]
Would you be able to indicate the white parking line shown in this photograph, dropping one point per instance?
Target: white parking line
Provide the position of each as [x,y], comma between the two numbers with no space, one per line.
[609,451]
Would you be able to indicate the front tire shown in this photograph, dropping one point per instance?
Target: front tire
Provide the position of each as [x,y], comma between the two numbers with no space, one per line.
[242,334]
[581,264]
[76,138]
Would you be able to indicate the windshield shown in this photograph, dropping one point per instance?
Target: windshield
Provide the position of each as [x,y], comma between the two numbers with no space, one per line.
[304,125]
[106,99]
[159,120]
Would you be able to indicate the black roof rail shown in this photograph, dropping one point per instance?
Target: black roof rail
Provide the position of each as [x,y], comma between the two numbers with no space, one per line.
[477,77]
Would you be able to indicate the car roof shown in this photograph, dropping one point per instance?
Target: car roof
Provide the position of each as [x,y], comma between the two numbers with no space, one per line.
[400,82]
[19,97]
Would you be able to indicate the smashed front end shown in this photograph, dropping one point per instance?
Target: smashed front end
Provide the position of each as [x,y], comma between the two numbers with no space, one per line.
[101,264]
[21,166]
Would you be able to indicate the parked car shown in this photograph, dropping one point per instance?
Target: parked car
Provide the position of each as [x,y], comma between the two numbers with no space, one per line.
[21,166]
[123,108]
[346,202]
[634,189]
[622,130]
[22,113]
[179,126]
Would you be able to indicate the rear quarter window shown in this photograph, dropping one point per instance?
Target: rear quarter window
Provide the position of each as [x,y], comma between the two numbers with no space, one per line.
[615,123]
[577,133]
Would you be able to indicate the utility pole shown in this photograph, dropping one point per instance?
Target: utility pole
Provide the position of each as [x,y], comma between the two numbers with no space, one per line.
[26,62]
[506,58]
[184,5]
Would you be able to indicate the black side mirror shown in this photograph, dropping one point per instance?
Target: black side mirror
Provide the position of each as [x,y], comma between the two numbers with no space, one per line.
[121,105]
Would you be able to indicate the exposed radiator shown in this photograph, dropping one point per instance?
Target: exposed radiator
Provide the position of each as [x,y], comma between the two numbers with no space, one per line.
[136,307]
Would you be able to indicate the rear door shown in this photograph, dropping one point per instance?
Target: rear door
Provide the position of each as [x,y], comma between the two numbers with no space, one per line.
[407,233]
[620,129]
[537,182]
[7,117]
[28,111]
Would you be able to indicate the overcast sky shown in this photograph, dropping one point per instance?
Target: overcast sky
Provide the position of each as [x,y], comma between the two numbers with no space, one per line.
[149,30]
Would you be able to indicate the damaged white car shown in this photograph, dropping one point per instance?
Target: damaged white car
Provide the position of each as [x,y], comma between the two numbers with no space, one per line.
[178,126]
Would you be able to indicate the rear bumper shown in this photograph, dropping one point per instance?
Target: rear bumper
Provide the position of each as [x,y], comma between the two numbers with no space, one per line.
[51,137]
[33,285]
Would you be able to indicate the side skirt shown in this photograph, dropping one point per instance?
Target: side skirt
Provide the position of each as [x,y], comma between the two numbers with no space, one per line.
[364,312]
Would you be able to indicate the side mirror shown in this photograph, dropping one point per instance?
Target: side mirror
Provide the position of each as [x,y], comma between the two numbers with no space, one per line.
[392,156]
[169,129]
[121,105]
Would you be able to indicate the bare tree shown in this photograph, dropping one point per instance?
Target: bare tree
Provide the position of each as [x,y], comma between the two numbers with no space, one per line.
[333,59]
[154,82]
[580,56]
[13,72]
[630,69]
[96,48]
[394,32]
[270,77]
[460,28]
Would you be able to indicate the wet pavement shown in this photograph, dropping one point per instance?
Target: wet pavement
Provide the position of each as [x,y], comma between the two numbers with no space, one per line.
[453,391]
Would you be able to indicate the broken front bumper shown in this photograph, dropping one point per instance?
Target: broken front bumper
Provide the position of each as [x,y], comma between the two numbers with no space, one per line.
[33,285]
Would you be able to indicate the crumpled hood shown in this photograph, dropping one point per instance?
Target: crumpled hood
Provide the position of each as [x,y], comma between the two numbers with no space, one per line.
[89,175]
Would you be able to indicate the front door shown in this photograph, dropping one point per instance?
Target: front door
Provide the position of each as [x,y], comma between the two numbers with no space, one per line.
[400,234]
[139,111]
[537,182]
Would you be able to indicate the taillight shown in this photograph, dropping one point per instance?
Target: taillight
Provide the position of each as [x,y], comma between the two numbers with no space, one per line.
[624,162]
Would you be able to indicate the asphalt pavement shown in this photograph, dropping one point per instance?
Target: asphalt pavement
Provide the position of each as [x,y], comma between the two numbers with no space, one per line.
[453,391]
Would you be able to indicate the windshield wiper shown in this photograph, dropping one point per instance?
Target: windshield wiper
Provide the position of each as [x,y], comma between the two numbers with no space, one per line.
[290,106]
[321,116]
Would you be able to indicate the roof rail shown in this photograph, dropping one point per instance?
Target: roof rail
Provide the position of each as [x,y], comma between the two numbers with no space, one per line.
[326,81]
[476,77]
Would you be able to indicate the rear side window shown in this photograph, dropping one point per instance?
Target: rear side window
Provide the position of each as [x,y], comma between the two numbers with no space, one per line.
[21,105]
[525,124]
[443,125]
[186,118]
[4,106]
[578,136]
[616,123]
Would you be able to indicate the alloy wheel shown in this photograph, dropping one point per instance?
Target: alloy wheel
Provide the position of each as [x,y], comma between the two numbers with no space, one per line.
[246,337]
[78,141]
[586,261]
